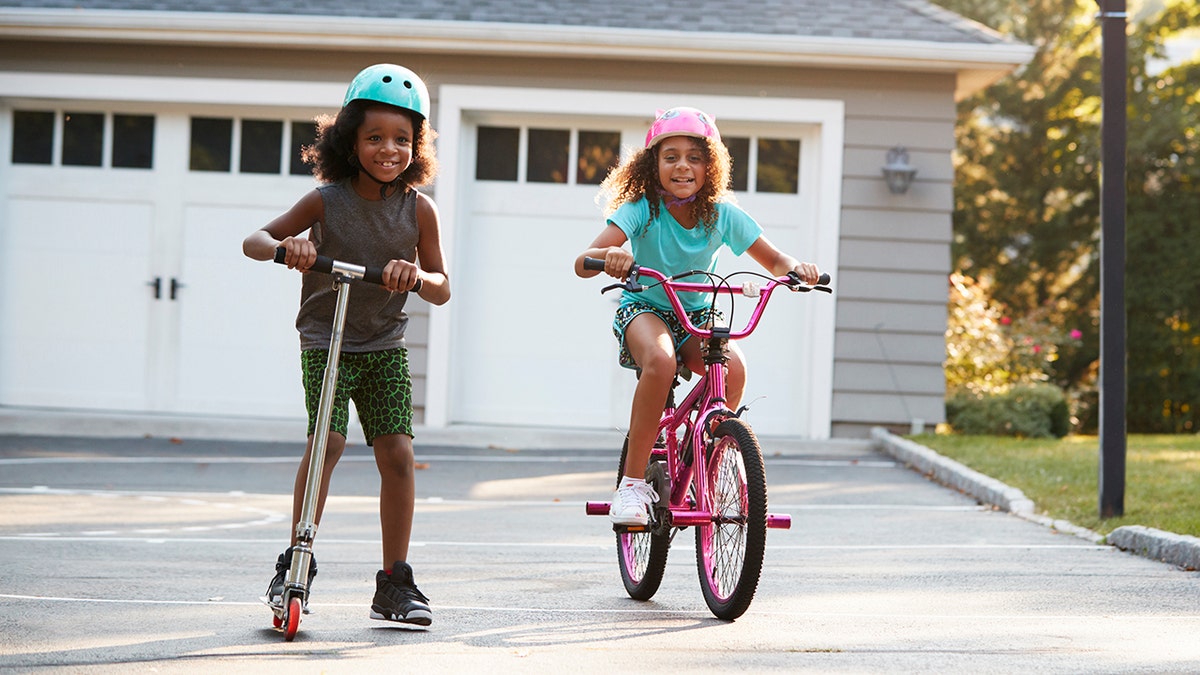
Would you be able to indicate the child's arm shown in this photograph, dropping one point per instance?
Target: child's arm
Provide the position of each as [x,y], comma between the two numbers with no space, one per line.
[401,275]
[285,230]
[607,247]
[779,263]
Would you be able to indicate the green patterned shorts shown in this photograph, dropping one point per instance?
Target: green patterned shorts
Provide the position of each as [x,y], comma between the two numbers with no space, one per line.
[631,308]
[377,382]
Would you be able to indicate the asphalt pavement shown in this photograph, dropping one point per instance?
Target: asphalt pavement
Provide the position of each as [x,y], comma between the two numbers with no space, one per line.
[145,554]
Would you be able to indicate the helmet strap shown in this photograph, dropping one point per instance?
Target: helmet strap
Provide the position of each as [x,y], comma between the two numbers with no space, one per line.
[676,202]
[383,186]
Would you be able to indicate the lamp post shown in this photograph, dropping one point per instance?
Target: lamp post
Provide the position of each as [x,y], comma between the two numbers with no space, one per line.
[1114,73]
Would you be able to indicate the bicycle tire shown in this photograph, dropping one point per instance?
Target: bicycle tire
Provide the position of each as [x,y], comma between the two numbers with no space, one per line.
[642,556]
[729,552]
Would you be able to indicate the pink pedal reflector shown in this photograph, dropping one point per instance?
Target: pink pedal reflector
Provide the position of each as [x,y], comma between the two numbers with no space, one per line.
[780,521]
[597,508]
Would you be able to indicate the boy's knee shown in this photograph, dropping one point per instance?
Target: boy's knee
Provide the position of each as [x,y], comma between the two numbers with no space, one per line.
[393,454]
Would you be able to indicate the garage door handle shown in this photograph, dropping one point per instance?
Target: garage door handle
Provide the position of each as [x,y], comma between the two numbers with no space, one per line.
[157,286]
[175,286]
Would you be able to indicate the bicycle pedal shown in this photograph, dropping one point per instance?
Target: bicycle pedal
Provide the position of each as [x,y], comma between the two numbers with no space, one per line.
[630,529]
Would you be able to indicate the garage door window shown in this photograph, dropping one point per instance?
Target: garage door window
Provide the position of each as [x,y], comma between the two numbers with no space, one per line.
[549,155]
[564,156]
[259,145]
[83,137]
[770,165]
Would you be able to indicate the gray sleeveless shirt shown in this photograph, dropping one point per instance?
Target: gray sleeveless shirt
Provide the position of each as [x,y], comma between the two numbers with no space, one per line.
[363,232]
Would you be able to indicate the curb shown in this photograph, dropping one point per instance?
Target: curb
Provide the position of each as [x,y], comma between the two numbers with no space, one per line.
[1180,550]
[1177,549]
[953,474]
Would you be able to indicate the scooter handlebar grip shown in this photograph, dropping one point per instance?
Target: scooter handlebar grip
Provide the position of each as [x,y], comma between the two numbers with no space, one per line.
[323,264]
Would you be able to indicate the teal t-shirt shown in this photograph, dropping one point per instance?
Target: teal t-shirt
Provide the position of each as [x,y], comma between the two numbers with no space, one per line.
[665,245]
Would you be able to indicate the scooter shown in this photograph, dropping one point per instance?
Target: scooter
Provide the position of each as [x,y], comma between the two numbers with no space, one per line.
[294,600]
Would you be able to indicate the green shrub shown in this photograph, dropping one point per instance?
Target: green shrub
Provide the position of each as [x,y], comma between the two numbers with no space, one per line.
[1025,411]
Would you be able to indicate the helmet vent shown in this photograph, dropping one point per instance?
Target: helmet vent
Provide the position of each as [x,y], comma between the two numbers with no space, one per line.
[387,78]
[407,84]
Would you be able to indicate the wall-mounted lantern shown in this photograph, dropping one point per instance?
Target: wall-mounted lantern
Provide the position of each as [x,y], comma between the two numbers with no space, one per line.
[898,172]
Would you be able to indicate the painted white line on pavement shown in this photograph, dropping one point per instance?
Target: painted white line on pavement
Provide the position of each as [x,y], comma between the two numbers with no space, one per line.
[1106,618]
[473,459]
[607,544]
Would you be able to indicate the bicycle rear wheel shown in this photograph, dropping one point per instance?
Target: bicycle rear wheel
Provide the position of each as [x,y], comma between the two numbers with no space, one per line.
[642,555]
[729,552]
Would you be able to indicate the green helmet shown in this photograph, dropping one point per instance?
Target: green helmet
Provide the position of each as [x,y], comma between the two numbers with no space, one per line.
[391,84]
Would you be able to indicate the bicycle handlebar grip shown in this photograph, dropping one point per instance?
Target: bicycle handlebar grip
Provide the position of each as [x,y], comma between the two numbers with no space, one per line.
[824,279]
[593,264]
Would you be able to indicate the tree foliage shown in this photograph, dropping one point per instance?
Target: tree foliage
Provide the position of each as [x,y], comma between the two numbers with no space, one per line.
[1163,231]
[1026,220]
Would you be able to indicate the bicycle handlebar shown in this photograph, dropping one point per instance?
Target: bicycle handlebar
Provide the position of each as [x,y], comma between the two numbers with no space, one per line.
[672,287]
[328,265]
[792,281]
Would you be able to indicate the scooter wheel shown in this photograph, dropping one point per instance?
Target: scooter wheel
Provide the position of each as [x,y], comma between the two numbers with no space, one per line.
[276,620]
[294,610]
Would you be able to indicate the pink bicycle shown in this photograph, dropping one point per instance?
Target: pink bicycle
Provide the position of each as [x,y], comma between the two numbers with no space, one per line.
[721,490]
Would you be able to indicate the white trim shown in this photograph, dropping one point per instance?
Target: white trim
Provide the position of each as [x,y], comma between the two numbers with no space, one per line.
[185,90]
[457,100]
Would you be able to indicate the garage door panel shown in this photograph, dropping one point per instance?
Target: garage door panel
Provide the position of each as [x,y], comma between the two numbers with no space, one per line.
[75,303]
[565,369]
[529,312]
[238,346]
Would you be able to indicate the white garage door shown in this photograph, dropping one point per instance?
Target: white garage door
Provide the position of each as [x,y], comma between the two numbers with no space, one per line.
[530,342]
[123,286]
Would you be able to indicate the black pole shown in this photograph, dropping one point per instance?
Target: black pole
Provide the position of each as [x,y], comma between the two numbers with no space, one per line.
[1114,74]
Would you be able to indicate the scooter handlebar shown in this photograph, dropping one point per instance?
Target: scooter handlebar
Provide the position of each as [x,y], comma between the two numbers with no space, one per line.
[325,265]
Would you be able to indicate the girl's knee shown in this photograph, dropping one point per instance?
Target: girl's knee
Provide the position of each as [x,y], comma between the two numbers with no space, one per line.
[658,365]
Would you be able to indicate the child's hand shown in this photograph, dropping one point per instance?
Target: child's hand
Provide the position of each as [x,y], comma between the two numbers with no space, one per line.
[301,253]
[400,275]
[808,272]
[617,262]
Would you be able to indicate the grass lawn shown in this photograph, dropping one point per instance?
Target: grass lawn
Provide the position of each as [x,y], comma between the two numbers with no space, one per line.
[1061,476]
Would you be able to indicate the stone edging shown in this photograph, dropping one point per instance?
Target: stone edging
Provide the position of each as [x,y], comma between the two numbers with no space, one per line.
[1167,547]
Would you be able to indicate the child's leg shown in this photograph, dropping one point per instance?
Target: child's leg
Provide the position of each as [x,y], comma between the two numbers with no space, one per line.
[333,452]
[735,377]
[397,489]
[735,369]
[650,343]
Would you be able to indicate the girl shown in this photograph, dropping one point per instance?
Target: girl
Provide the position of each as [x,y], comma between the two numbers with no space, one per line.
[672,202]
[371,158]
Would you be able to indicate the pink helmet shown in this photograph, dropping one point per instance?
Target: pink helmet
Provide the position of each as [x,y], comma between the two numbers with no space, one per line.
[682,121]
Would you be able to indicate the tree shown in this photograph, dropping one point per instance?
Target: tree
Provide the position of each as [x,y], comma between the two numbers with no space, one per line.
[1163,230]
[1026,219]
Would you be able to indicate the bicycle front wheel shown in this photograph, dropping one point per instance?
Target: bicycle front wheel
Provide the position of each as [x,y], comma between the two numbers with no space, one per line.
[642,555]
[729,552]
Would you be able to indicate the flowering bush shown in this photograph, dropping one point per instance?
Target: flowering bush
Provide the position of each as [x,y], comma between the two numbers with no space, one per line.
[990,354]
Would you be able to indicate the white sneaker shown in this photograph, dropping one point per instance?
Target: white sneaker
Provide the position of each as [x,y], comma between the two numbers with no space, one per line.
[631,503]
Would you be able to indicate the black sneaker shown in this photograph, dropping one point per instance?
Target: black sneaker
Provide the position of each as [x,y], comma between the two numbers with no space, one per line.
[275,590]
[397,597]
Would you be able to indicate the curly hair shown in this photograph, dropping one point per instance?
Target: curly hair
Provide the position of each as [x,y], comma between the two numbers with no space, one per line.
[637,177]
[330,156]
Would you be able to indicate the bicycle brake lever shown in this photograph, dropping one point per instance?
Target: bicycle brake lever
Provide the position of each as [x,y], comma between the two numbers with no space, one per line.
[627,285]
